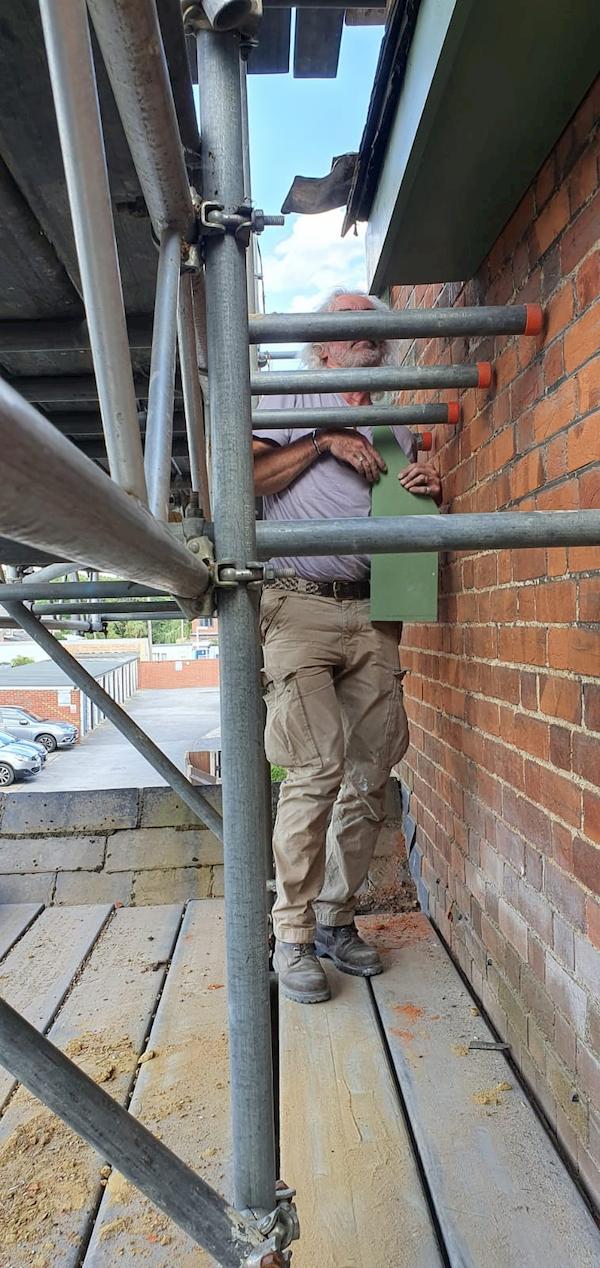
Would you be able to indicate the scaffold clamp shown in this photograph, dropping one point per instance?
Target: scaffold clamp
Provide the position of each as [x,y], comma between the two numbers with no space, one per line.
[280,1228]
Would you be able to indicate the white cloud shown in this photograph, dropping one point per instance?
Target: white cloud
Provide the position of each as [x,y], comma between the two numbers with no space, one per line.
[313,259]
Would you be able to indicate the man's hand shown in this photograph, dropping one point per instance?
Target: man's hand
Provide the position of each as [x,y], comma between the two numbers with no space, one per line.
[349,446]
[422,478]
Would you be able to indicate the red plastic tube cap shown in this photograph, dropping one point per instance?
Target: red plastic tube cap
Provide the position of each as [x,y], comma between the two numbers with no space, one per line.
[426,441]
[534,319]
[484,371]
[453,413]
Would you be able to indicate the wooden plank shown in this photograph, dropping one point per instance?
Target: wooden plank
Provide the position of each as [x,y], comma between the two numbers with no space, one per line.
[15,918]
[344,1144]
[38,972]
[502,1194]
[182,1095]
[50,1180]
[403,587]
[272,53]
[317,43]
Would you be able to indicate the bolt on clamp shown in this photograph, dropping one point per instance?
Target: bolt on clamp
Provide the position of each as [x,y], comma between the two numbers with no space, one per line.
[280,1228]
[228,575]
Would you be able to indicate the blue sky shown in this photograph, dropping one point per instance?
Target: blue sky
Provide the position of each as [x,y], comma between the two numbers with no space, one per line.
[296,128]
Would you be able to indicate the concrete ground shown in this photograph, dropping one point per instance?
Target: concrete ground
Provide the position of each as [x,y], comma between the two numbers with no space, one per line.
[176,720]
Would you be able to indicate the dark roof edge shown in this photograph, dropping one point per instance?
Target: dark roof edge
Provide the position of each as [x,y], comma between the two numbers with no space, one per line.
[387,86]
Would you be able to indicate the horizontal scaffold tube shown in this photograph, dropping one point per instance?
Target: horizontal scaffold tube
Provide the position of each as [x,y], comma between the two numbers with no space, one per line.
[123,1141]
[407,323]
[130,39]
[190,794]
[114,613]
[358,416]
[31,589]
[408,533]
[56,499]
[381,378]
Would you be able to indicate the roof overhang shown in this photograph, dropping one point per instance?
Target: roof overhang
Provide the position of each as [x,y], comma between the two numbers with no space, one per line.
[486,90]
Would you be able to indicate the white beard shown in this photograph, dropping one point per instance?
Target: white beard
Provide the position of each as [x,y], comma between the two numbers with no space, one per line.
[352,358]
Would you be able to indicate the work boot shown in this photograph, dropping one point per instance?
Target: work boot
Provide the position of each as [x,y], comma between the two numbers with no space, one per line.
[343,945]
[301,977]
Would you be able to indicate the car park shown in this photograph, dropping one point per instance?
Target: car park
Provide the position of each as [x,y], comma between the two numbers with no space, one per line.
[26,746]
[23,725]
[15,763]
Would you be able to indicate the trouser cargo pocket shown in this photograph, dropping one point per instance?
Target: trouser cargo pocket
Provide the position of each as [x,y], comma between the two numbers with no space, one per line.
[288,737]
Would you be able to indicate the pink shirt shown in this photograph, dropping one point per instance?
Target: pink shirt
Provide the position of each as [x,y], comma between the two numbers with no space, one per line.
[328,489]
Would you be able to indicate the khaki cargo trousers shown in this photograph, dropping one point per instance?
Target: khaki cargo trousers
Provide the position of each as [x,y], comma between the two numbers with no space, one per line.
[336,721]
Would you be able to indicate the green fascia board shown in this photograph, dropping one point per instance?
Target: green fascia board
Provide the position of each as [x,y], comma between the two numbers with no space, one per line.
[490,85]
[404,587]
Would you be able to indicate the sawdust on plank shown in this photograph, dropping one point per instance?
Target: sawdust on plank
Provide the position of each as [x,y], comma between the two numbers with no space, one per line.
[492,1095]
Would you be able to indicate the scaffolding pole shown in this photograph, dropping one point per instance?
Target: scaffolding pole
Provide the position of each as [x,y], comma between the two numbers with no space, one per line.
[410,323]
[72,76]
[32,589]
[190,794]
[241,701]
[383,378]
[56,499]
[125,1143]
[159,420]
[356,416]
[408,533]
[192,392]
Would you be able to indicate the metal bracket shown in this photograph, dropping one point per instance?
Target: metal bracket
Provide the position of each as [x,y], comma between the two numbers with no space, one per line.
[280,1228]
[212,219]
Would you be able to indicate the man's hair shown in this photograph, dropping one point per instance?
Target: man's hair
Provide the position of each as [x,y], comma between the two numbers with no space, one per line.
[309,358]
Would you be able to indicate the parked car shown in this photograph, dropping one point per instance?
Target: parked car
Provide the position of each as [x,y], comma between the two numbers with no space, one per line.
[27,746]
[23,725]
[15,763]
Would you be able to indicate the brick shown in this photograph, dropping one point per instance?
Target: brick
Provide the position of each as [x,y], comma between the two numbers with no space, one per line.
[93,887]
[563,941]
[70,812]
[555,458]
[592,921]
[582,339]
[523,644]
[591,815]
[565,1041]
[27,888]
[163,848]
[561,698]
[560,747]
[582,442]
[529,820]
[588,1072]
[559,311]
[552,220]
[565,894]
[588,385]
[563,1088]
[587,965]
[587,280]
[536,1043]
[527,474]
[562,846]
[513,927]
[575,649]
[591,699]
[217,888]
[586,756]
[589,598]
[536,911]
[580,236]
[583,558]
[589,489]
[173,885]
[563,497]
[528,564]
[566,994]
[555,602]
[51,854]
[559,795]
[161,808]
[538,1002]
[554,364]
[529,691]
[556,410]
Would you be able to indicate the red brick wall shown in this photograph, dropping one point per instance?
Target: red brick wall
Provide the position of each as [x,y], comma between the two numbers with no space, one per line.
[44,704]
[193,673]
[504,693]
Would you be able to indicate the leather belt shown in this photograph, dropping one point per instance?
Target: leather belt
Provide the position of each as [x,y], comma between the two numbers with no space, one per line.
[325,589]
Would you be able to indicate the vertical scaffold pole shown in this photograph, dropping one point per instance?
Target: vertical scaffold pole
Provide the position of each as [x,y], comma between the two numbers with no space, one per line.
[71,65]
[241,703]
[159,424]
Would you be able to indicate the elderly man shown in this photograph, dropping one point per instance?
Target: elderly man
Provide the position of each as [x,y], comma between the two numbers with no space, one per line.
[335,712]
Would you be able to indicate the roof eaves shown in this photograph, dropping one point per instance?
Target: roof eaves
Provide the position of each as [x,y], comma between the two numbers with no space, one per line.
[387,85]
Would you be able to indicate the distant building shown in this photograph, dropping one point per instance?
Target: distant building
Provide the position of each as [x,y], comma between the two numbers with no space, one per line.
[43,688]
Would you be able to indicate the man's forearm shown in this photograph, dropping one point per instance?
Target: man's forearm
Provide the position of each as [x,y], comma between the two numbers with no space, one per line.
[276,467]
